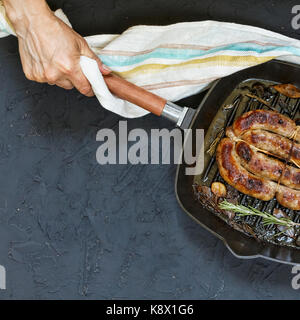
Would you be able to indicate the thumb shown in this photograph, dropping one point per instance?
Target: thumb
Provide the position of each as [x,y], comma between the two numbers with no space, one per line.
[90,54]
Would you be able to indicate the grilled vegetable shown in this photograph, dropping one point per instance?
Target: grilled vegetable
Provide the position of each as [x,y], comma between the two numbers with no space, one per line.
[288,90]
[218,189]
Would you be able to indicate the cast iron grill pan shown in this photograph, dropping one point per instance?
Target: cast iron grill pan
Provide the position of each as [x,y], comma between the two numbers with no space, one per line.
[245,236]
[236,104]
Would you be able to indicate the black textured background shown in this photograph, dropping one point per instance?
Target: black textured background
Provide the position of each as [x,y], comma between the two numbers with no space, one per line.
[70,228]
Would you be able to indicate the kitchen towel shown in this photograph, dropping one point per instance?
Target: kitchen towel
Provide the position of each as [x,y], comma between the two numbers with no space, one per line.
[178,60]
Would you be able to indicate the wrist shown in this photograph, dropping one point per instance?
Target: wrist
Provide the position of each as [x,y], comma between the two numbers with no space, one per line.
[22,12]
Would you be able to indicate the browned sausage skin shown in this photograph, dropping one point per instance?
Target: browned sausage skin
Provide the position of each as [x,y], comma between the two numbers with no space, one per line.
[238,177]
[234,174]
[267,167]
[267,120]
[259,163]
[288,197]
[291,177]
[274,144]
[245,158]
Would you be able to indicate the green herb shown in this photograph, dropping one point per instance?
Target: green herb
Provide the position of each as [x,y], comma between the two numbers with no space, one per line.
[267,218]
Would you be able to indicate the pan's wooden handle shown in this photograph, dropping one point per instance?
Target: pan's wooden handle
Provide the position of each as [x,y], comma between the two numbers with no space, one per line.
[134,94]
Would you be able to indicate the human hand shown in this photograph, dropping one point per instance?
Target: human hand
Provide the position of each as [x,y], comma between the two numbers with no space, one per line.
[49,49]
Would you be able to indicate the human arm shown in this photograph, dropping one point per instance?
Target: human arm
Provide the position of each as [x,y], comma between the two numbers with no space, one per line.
[49,49]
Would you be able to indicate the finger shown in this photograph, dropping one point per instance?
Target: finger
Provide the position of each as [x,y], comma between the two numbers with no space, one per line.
[103,67]
[81,83]
[64,83]
[86,51]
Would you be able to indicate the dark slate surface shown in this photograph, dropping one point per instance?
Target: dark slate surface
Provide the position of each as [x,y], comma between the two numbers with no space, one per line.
[70,228]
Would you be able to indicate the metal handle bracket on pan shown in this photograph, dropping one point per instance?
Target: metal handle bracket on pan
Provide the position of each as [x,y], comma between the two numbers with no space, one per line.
[182,116]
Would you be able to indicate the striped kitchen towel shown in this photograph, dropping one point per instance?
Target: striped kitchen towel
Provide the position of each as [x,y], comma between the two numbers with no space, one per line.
[178,60]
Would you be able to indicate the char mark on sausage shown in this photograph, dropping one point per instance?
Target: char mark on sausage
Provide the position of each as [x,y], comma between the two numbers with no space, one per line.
[260,157]
[274,144]
[235,175]
[267,120]
[288,197]
[264,166]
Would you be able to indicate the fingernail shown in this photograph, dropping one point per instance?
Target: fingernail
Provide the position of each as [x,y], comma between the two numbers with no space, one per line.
[106,68]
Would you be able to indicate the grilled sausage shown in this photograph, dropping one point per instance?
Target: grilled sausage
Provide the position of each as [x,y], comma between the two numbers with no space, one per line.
[291,177]
[267,120]
[288,197]
[259,163]
[274,144]
[238,177]
[267,167]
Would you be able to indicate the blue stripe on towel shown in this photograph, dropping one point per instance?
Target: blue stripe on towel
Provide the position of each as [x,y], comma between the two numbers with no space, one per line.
[186,54]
